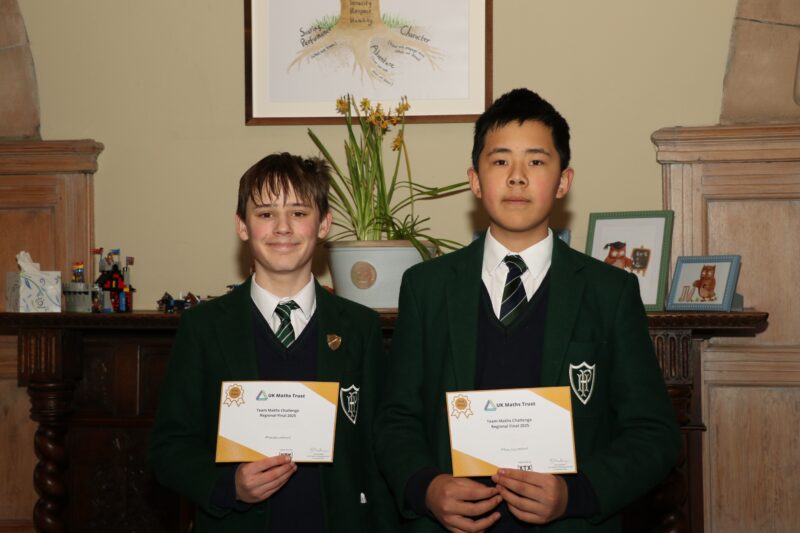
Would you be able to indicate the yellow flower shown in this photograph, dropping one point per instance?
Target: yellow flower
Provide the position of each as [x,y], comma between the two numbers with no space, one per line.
[403,106]
[366,105]
[397,143]
[343,105]
[374,118]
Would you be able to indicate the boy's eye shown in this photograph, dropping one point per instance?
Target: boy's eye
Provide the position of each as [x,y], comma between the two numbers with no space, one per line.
[500,162]
[299,214]
[264,214]
[536,163]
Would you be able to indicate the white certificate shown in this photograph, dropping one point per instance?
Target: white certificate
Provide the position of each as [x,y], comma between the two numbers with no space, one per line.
[260,419]
[524,429]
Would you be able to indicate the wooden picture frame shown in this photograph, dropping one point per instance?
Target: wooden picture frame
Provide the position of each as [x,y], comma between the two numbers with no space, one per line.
[297,63]
[704,283]
[638,242]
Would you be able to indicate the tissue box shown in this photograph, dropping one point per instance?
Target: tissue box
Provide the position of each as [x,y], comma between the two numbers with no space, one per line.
[28,294]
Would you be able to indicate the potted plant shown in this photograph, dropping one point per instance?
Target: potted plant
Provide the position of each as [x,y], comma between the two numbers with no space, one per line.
[373,205]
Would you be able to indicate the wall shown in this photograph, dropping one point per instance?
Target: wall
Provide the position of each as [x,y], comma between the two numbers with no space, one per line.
[161,84]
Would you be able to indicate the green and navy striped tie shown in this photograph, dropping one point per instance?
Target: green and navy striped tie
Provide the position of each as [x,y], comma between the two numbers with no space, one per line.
[285,331]
[513,292]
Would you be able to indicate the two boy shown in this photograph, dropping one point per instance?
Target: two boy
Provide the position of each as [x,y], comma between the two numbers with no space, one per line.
[518,308]
[279,325]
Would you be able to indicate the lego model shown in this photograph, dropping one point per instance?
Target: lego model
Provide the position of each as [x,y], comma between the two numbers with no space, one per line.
[115,292]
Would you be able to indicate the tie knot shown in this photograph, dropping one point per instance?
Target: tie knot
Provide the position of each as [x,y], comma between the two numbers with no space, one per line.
[515,262]
[284,310]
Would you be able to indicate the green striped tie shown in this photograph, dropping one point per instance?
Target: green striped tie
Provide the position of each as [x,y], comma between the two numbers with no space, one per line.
[285,331]
[513,292]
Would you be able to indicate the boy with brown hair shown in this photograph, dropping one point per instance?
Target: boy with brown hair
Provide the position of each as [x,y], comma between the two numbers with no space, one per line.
[517,309]
[280,325]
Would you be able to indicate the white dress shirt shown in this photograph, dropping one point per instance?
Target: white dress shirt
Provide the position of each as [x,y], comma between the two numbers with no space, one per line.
[266,302]
[537,258]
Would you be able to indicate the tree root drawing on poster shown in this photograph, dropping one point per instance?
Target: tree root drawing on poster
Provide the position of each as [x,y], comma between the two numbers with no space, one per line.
[377,44]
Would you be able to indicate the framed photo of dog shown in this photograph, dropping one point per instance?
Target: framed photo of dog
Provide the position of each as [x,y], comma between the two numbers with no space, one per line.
[704,283]
[637,242]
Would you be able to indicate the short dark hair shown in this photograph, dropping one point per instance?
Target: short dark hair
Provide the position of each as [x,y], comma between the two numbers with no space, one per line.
[309,178]
[521,105]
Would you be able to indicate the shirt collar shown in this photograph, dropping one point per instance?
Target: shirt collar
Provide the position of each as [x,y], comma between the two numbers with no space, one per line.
[537,257]
[266,302]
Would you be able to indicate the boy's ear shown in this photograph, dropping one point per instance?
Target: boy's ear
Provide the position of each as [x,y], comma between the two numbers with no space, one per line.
[325,225]
[241,229]
[565,182]
[474,182]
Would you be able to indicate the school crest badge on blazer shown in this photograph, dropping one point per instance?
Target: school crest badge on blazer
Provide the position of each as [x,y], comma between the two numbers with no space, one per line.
[581,379]
[348,399]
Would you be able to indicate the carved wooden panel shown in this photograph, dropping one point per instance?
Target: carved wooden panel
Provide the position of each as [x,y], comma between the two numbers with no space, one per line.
[736,190]
[754,441]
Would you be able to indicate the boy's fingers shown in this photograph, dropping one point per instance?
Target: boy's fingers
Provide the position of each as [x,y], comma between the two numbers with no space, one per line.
[473,526]
[470,490]
[477,508]
[520,487]
[533,478]
[271,487]
[274,473]
[521,502]
[531,518]
[269,462]
[263,465]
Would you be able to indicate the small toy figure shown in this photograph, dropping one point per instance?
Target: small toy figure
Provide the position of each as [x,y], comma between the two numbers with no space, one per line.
[116,291]
[617,255]
[101,264]
[640,258]
[166,304]
[77,272]
[190,300]
[707,283]
[126,271]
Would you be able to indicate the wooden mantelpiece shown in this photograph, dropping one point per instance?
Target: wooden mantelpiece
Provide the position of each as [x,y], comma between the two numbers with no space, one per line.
[93,383]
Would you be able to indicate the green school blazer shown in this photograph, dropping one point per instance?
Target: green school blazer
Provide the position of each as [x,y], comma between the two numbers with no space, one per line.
[626,436]
[215,342]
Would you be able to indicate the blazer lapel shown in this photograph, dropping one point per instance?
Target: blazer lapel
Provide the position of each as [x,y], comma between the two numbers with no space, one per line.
[566,290]
[463,298]
[330,361]
[235,334]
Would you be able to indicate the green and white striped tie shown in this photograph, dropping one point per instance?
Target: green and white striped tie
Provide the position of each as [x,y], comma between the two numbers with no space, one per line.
[514,292]
[285,331]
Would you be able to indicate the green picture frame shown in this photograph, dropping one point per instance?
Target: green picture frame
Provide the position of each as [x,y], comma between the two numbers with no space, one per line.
[639,242]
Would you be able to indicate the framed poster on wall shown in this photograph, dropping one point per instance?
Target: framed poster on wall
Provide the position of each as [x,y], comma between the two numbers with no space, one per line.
[299,61]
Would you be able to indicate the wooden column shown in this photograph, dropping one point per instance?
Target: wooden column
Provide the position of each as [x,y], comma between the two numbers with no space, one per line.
[46,209]
[736,190]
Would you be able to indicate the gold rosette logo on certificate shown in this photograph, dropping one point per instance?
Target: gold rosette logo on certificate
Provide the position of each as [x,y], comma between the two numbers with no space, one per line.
[461,406]
[234,394]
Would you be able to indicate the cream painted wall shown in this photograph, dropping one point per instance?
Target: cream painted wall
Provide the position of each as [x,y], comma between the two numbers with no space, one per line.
[161,84]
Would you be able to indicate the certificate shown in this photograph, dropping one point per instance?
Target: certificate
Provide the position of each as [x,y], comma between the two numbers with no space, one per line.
[260,419]
[524,429]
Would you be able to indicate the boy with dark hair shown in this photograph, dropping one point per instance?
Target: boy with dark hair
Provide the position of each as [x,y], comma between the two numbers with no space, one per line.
[516,309]
[279,325]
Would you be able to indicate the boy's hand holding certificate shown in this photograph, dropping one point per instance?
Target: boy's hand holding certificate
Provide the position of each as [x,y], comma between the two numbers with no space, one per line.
[260,419]
[524,429]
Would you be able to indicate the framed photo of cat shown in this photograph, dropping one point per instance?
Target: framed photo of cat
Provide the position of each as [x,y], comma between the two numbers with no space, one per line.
[704,283]
[637,242]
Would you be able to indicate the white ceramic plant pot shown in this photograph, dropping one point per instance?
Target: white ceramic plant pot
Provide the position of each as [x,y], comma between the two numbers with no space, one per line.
[369,272]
